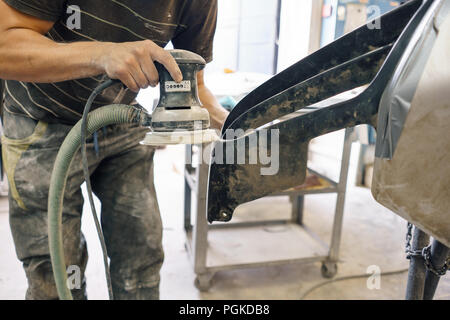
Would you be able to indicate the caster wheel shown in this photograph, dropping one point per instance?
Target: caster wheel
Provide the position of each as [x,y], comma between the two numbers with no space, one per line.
[328,269]
[203,282]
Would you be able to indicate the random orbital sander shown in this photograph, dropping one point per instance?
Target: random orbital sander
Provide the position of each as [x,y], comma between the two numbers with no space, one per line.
[179,117]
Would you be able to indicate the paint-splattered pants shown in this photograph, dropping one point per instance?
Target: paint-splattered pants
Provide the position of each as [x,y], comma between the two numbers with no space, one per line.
[122,178]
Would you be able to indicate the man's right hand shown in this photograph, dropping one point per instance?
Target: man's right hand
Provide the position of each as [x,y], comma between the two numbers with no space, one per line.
[133,63]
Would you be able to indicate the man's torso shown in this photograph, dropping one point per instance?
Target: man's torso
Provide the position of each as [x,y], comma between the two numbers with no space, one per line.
[100,20]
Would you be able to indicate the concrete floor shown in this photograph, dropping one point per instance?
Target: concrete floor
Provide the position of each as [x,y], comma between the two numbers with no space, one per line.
[372,235]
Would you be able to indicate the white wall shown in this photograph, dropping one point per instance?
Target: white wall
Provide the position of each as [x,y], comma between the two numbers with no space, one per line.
[227,36]
[295,25]
[257,36]
[245,36]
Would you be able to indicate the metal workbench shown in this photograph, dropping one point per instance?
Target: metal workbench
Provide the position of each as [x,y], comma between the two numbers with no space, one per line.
[204,242]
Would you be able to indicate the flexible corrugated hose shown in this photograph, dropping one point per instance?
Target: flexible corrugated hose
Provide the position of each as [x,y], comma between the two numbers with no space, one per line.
[97,119]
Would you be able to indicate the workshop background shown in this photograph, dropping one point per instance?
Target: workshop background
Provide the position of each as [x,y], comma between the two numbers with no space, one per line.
[258,259]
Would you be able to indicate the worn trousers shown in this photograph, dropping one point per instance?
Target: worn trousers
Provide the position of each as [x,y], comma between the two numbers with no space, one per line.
[122,178]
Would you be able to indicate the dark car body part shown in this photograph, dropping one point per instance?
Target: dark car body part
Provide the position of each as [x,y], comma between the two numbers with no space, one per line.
[363,57]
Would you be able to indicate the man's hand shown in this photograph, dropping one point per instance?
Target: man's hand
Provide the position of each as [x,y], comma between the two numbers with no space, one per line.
[132,63]
[217,113]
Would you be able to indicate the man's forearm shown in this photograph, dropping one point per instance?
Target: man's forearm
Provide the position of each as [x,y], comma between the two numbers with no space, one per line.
[26,55]
[216,112]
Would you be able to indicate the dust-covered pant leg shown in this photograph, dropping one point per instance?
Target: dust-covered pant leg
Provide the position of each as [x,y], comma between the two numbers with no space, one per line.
[29,150]
[130,215]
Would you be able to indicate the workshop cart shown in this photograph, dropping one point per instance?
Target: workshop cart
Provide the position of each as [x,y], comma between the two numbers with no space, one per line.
[204,241]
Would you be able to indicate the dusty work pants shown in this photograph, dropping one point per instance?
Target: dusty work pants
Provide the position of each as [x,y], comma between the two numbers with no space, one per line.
[122,178]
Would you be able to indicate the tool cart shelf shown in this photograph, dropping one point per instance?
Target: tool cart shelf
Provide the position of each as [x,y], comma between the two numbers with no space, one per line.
[258,240]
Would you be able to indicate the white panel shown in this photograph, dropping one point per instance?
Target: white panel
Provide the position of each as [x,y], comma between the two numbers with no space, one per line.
[295,25]
[226,37]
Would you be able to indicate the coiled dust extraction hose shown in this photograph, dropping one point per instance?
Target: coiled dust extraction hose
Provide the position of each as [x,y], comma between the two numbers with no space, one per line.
[97,119]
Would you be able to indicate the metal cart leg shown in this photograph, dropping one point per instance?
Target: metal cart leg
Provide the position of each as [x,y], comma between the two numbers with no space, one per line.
[439,256]
[200,232]
[329,267]
[187,191]
[417,269]
[187,206]
[297,202]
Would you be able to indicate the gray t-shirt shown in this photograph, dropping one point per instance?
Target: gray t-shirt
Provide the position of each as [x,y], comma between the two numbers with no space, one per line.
[189,24]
